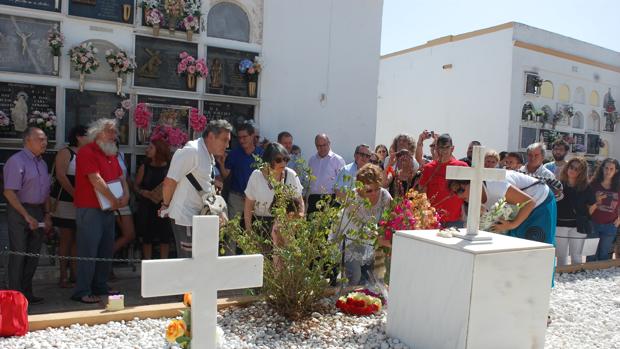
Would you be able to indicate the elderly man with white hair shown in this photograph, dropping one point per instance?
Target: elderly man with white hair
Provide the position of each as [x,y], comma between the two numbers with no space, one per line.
[96,167]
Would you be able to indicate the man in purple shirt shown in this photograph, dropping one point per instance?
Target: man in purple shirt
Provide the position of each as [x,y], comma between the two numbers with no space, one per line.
[27,188]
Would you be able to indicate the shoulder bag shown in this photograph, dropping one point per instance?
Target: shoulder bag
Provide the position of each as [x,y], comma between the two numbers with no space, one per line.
[212,204]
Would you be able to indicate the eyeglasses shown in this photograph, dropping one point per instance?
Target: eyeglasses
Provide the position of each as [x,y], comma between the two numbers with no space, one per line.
[366,155]
[382,151]
[281,159]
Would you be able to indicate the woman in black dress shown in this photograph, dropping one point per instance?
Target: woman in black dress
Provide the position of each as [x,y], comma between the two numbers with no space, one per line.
[148,185]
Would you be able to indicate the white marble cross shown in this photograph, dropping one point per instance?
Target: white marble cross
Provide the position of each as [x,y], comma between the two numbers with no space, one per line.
[202,275]
[476,174]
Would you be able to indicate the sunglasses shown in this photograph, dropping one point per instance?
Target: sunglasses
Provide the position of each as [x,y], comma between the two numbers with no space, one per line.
[369,191]
[375,162]
[366,155]
[281,159]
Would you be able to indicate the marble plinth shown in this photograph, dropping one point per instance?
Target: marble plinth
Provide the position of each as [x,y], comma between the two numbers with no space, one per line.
[454,293]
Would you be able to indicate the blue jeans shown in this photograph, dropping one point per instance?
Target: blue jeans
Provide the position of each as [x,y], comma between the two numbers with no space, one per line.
[607,234]
[95,238]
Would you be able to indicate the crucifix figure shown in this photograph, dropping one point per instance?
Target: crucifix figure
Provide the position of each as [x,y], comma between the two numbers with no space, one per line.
[202,275]
[476,174]
[24,37]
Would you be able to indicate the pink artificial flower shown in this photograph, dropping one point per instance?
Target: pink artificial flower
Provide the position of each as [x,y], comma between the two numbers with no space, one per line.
[190,59]
[83,59]
[126,104]
[183,55]
[191,69]
[251,70]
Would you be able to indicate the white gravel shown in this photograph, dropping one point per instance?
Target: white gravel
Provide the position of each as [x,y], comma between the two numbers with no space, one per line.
[585,311]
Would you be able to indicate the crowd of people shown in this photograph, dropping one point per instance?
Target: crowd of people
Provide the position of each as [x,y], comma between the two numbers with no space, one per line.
[562,202]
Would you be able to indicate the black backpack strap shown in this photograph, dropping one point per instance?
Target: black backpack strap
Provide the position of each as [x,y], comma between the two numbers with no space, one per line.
[195,184]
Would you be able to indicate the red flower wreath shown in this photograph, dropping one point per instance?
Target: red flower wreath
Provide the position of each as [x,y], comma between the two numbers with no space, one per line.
[360,302]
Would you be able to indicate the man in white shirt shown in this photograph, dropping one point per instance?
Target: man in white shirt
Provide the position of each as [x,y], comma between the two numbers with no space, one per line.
[180,199]
[535,158]
[325,166]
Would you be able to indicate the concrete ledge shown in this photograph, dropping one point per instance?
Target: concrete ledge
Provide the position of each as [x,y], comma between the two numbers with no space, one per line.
[589,266]
[102,316]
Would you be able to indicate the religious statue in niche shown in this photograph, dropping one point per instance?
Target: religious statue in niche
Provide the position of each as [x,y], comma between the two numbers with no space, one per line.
[19,113]
[169,117]
[151,68]
[24,37]
[216,73]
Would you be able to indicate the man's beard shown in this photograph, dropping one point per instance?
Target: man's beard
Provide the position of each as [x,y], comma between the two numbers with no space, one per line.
[108,148]
[558,157]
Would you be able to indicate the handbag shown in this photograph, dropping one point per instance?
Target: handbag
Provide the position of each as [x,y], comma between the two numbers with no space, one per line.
[13,314]
[584,226]
[212,204]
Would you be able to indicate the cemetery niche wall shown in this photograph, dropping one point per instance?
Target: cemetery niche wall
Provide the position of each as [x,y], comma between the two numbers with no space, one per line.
[81,108]
[22,105]
[24,46]
[157,61]
[121,11]
[224,75]
[46,5]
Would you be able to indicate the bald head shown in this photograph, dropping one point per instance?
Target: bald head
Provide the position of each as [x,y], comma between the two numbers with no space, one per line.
[322,143]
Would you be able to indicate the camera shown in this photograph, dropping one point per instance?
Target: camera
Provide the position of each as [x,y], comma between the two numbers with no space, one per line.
[430,135]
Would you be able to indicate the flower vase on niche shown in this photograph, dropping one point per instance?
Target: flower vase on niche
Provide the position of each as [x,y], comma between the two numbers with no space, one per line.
[155,29]
[142,135]
[252,89]
[119,85]
[56,64]
[172,23]
[126,12]
[191,81]
[82,82]
[190,35]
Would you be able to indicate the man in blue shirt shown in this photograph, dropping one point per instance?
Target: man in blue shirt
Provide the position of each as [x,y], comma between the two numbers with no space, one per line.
[238,166]
[346,176]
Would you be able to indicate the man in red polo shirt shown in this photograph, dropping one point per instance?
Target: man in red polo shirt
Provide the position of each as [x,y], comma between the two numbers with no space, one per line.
[434,183]
[96,166]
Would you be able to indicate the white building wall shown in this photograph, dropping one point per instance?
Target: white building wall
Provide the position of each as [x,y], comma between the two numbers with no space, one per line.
[321,66]
[470,101]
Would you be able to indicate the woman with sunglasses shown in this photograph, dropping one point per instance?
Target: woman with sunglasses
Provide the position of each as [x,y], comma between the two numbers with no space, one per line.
[382,152]
[536,219]
[573,211]
[605,219]
[359,255]
[259,193]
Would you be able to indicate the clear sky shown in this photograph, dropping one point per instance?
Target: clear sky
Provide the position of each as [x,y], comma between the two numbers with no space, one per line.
[408,23]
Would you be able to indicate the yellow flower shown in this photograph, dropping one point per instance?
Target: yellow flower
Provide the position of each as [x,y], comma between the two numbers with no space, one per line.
[187,299]
[175,330]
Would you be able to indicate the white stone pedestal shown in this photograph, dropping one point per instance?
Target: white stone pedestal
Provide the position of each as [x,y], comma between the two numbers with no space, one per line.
[454,293]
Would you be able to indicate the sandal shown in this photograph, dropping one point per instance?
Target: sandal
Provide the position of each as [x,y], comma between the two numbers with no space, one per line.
[87,299]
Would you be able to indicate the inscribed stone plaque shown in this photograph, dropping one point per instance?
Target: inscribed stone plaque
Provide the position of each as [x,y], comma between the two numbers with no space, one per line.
[103,73]
[167,111]
[24,47]
[18,102]
[580,143]
[593,146]
[228,21]
[82,108]
[224,77]
[232,112]
[48,5]
[528,136]
[157,61]
[107,10]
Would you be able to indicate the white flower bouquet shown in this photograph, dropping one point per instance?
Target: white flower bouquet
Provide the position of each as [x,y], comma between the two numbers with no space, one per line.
[500,210]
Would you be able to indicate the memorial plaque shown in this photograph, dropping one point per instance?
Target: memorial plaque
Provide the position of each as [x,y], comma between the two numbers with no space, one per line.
[228,21]
[47,5]
[24,47]
[157,61]
[173,112]
[18,102]
[528,136]
[592,146]
[82,108]
[232,112]
[224,77]
[103,73]
[108,10]
[580,143]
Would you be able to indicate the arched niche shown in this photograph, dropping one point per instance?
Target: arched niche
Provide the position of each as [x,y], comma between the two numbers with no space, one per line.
[580,96]
[227,20]
[594,123]
[564,93]
[103,73]
[577,121]
[594,99]
[546,89]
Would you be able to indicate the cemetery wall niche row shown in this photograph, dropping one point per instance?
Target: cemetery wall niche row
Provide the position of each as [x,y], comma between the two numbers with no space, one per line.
[19,106]
[24,47]
[47,5]
[157,61]
[121,11]
[224,76]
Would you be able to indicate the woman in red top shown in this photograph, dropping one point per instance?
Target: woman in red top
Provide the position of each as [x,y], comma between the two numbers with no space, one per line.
[606,186]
